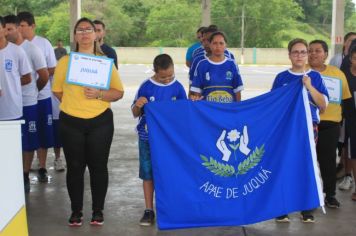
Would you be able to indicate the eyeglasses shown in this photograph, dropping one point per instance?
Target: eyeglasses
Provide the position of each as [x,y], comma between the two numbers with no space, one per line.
[84,31]
[298,53]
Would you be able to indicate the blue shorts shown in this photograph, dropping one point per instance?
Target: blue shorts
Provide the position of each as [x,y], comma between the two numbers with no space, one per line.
[29,129]
[57,142]
[45,123]
[145,160]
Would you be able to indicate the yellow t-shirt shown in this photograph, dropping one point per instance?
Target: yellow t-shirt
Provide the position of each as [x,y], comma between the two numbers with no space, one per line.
[333,112]
[74,102]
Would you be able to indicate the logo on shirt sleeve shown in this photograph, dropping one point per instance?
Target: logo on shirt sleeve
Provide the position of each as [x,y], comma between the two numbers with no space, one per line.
[228,75]
[8,65]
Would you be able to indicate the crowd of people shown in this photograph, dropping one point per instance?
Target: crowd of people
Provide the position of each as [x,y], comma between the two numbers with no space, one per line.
[58,114]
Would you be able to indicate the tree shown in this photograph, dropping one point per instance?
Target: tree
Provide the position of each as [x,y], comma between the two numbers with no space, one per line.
[173,23]
[319,12]
[350,24]
[265,21]
[118,23]
[55,25]
[36,7]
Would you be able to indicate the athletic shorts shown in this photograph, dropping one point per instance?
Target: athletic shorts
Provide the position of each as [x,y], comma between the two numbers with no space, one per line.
[145,160]
[29,129]
[45,123]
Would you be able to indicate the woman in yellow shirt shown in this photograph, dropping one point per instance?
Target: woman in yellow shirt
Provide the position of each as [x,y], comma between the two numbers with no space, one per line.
[86,127]
[329,125]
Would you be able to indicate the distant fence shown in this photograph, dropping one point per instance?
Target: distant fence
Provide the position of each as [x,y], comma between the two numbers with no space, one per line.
[145,55]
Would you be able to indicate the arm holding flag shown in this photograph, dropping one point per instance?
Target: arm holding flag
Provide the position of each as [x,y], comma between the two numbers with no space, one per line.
[137,107]
[318,97]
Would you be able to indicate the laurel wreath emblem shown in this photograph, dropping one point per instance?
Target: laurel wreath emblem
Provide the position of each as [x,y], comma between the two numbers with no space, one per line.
[226,170]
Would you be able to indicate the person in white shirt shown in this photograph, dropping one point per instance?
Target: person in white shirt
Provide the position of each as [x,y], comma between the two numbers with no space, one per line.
[14,72]
[45,102]
[40,76]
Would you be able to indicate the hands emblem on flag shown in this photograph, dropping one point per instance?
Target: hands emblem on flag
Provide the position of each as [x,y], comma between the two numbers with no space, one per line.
[244,141]
[232,136]
[221,145]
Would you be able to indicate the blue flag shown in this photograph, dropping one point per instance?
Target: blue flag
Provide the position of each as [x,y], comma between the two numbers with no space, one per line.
[233,164]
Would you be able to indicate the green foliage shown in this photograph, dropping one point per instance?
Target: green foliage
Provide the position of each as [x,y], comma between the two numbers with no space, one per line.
[37,7]
[350,24]
[55,25]
[251,161]
[221,169]
[305,31]
[118,23]
[226,170]
[264,20]
[174,22]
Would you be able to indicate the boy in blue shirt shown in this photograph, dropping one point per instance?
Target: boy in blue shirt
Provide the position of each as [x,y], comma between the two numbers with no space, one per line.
[162,86]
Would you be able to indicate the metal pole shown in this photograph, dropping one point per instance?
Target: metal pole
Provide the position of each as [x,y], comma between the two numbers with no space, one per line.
[206,6]
[75,12]
[337,27]
[242,34]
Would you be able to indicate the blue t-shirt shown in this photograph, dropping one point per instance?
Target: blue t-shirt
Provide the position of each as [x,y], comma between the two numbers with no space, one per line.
[286,77]
[201,56]
[217,82]
[109,52]
[154,91]
[197,51]
[191,49]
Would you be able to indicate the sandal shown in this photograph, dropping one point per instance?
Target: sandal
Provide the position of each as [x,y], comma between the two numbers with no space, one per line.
[353,196]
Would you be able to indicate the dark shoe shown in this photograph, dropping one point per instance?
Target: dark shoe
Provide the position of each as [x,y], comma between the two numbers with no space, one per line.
[27,185]
[332,202]
[42,175]
[76,219]
[97,218]
[282,219]
[147,218]
[307,217]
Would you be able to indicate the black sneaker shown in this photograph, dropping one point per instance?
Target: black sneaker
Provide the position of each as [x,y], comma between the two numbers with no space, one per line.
[26,181]
[282,219]
[332,202]
[42,175]
[75,219]
[307,217]
[147,218]
[97,218]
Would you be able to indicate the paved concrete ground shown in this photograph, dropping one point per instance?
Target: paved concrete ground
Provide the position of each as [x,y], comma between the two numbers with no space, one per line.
[48,206]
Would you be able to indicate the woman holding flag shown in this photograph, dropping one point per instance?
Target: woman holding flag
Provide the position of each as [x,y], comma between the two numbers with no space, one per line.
[317,94]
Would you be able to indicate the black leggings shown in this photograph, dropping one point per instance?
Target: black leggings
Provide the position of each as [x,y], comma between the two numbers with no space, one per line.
[86,142]
[326,153]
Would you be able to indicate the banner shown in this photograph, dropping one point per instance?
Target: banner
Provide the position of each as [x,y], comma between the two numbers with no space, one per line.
[233,164]
[13,220]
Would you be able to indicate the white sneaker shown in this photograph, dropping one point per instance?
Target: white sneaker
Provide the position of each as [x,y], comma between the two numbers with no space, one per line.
[59,165]
[35,164]
[346,183]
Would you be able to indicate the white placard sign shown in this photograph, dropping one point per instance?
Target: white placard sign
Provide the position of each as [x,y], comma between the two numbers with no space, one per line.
[90,71]
[334,89]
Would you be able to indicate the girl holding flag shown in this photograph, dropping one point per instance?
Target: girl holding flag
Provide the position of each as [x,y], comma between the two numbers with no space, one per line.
[317,94]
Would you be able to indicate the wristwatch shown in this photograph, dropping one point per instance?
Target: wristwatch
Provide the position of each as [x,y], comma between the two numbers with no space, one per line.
[100,96]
